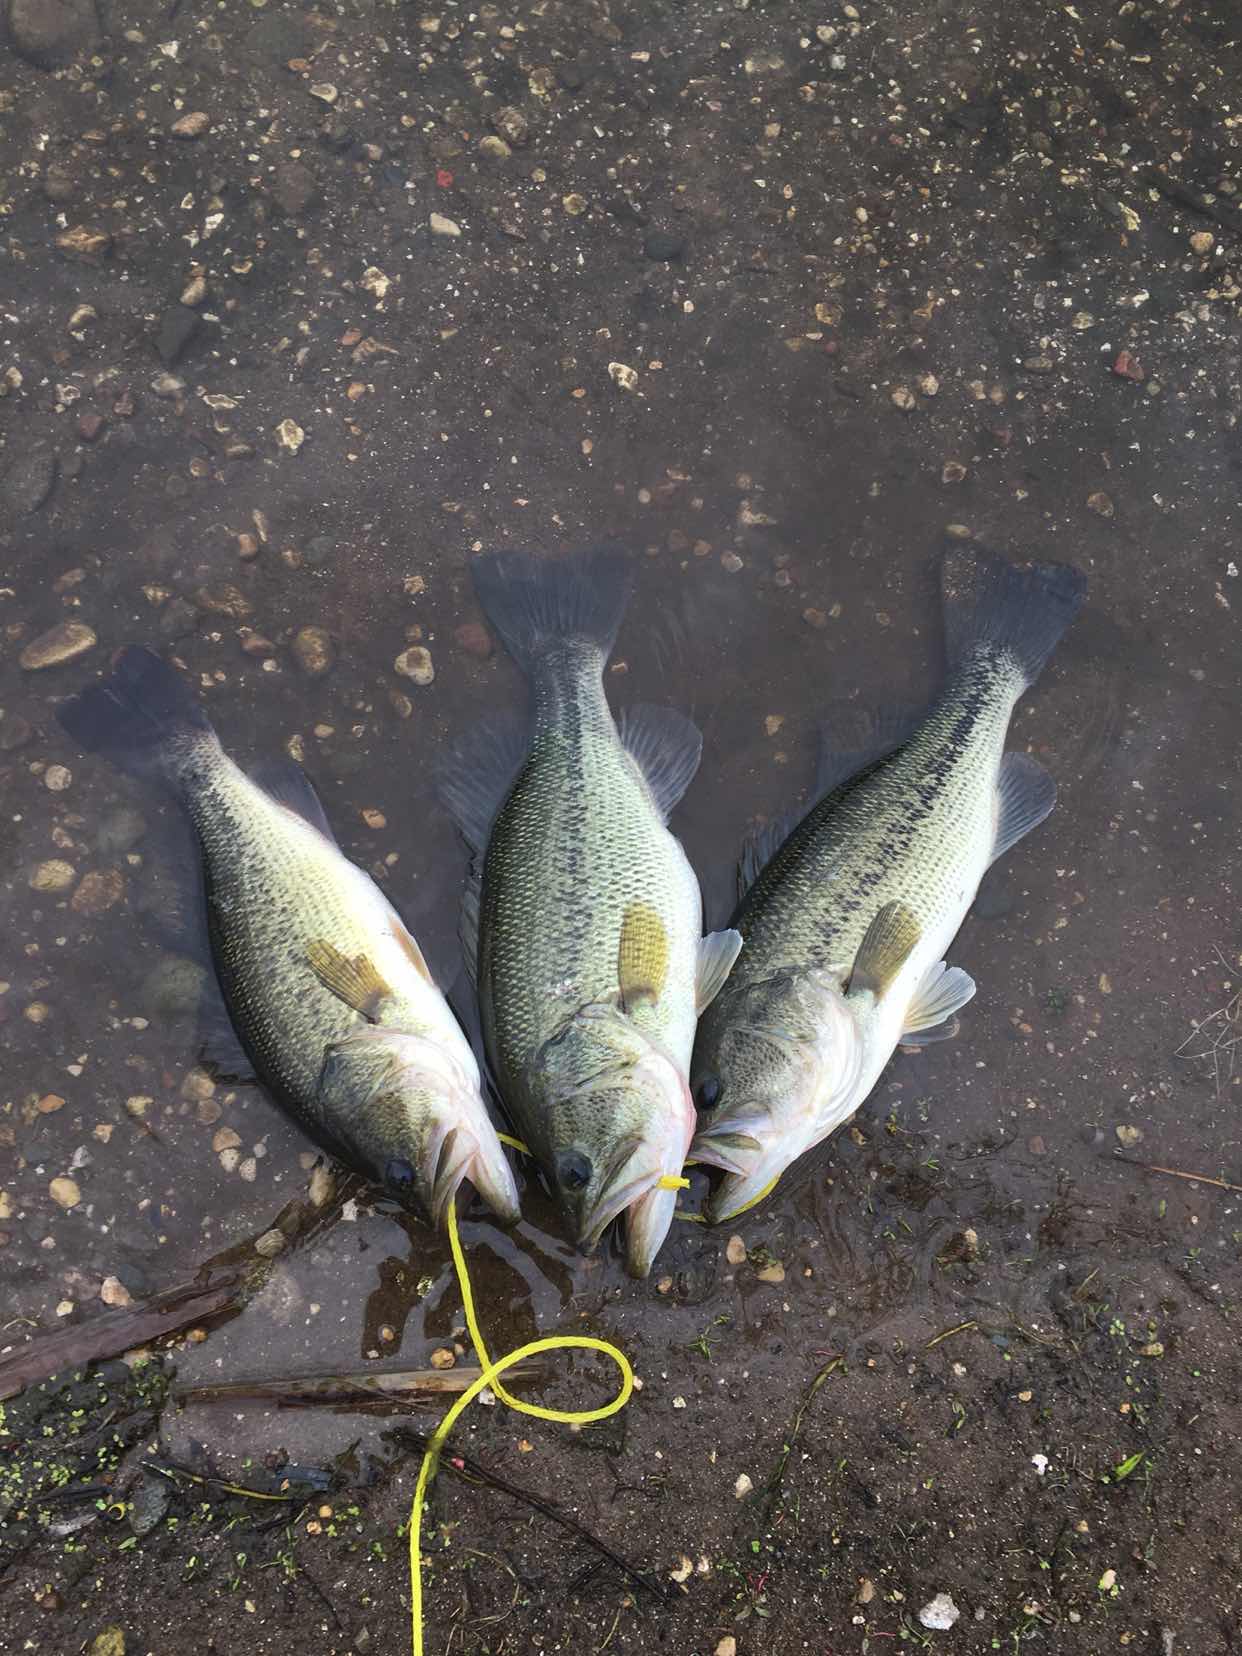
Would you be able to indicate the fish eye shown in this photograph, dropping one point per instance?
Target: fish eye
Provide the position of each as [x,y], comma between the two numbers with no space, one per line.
[398,1174]
[708,1095]
[574,1170]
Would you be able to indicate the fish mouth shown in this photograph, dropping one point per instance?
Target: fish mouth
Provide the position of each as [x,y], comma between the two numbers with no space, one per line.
[734,1149]
[647,1222]
[635,1190]
[752,1160]
[622,1184]
[737,1193]
[460,1159]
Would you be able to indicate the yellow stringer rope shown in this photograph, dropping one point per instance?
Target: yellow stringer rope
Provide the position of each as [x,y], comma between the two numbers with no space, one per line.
[491,1370]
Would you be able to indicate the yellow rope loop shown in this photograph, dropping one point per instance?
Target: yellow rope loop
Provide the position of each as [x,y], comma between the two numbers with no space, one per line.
[491,1372]
[492,1369]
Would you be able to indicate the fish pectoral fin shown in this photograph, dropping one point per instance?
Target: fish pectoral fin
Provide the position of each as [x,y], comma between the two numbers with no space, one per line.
[408,945]
[642,955]
[666,746]
[1025,794]
[884,950]
[287,783]
[942,993]
[915,1040]
[353,980]
[717,953]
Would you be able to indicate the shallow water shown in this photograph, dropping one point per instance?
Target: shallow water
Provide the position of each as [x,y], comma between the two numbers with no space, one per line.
[785,519]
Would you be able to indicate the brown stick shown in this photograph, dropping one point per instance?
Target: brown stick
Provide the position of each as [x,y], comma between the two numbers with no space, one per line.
[1177,1173]
[395,1385]
[115,1331]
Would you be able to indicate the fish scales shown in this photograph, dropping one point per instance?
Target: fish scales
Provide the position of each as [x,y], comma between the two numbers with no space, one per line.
[325,989]
[847,925]
[273,885]
[585,922]
[576,843]
[912,827]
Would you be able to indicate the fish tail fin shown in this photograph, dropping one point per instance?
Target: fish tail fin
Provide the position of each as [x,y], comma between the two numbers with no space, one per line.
[141,717]
[538,604]
[992,605]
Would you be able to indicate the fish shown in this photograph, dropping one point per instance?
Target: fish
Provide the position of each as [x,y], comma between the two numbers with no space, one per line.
[847,918]
[582,923]
[329,995]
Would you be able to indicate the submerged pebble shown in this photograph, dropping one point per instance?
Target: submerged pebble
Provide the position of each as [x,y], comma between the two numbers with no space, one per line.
[54,875]
[939,1613]
[416,663]
[64,642]
[313,651]
[65,1192]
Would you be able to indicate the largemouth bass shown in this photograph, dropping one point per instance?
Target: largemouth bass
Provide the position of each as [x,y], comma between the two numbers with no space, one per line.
[327,991]
[847,925]
[584,921]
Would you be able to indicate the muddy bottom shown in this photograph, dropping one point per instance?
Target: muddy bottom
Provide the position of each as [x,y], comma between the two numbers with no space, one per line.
[298,309]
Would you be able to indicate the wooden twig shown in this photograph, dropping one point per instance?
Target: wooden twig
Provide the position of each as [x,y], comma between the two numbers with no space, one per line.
[1177,1173]
[115,1331]
[948,1333]
[394,1387]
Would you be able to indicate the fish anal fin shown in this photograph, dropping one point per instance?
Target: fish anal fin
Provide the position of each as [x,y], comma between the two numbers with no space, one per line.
[288,784]
[352,980]
[666,746]
[717,953]
[886,946]
[642,955]
[943,992]
[1025,795]
[852,739]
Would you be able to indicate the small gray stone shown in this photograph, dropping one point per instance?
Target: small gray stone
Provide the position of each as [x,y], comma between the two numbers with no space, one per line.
[295,189]
[173,986]
[148,1502]
[178,325]
[51,33]
[120,831]
[29,481]
[178,619]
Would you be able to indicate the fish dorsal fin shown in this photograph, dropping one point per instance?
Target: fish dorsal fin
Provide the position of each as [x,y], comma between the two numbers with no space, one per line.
[1025,795]
[760,846]
[287,783]
[473,781]
[942,993]
[642,955]
[852,739]
[408,945]
[886,946]
[666,746]
[356,980]
[717,953]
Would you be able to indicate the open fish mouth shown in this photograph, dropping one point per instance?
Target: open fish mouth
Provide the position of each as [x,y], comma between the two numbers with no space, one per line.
[456,1155]
[636,1191]
[732,1150]
[630,1175]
